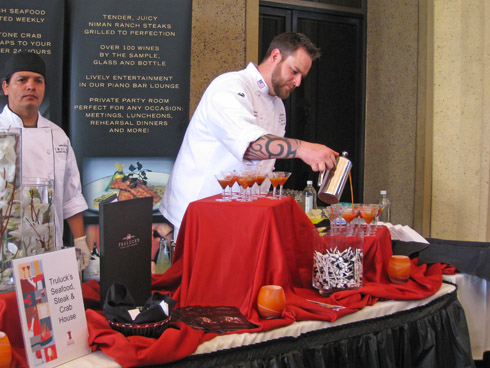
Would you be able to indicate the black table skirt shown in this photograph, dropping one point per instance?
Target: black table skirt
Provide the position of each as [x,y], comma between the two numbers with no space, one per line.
[432,335]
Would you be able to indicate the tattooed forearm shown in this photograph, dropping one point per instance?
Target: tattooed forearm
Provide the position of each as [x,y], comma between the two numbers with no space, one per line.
[271,146]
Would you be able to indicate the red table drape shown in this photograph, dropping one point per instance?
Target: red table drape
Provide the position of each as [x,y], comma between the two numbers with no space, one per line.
[226,251]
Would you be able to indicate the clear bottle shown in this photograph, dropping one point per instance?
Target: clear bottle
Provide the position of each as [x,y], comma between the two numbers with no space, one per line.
[385,215]
[309,197]
[164,257]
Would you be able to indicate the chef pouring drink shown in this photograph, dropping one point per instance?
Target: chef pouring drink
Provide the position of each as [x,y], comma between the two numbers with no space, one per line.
[241,117]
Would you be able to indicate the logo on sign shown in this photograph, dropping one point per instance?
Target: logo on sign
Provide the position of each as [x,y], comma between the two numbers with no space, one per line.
[129,240]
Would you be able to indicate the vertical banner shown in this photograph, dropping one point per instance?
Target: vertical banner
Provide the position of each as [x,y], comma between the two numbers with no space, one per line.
[129,93]
[36,26]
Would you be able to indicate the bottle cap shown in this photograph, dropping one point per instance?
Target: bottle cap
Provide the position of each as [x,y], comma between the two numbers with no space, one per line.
[309,182]
[383,192]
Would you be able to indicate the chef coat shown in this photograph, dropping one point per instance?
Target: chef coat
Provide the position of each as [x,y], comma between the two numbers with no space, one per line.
[47,153]
[235,110]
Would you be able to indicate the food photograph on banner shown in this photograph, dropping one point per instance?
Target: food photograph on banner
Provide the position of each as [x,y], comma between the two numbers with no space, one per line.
[125,177]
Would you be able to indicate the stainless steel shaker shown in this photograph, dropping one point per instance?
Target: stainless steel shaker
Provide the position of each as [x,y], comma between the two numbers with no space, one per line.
[332,182]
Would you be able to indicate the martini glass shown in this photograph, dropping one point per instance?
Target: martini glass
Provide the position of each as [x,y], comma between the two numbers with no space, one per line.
[243,182]
[276,178]
[357,208]
[224,181]
[349,213]
[259,179]
[251,180]
[284,177]
[233,180]
[334,213]
[368,213]
[380,209]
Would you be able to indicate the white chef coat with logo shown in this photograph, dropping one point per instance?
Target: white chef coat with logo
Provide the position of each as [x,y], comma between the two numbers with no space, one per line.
[47,153]
[235,110]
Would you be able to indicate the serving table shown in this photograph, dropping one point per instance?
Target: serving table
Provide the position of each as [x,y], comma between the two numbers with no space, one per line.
[227,250]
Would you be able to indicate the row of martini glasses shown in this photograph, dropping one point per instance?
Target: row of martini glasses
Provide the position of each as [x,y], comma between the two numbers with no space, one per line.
[250,184]
[350,212]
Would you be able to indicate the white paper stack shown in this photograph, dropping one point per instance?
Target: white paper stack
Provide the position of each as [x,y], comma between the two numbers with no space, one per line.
[403,233]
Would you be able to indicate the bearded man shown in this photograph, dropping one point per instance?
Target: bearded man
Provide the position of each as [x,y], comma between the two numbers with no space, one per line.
[241,120]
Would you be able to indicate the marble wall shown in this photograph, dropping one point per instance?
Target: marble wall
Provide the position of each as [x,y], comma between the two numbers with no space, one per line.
[218,42]
[427,114]
[391,105]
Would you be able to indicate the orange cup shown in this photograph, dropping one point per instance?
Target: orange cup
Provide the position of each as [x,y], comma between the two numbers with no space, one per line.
[271,301]
[399,269]
[5,351]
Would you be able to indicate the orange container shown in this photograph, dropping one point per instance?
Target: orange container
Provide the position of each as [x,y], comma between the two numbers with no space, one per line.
[5,351]
[399,269]
[271,301]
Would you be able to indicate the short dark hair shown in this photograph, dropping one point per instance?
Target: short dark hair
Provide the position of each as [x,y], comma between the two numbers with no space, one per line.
[289,42]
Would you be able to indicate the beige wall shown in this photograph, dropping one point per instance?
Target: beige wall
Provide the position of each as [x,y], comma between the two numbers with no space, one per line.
[427,103]
[427,120]
[461,120]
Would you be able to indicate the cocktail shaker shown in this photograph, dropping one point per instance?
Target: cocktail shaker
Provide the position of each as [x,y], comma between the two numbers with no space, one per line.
[332,182]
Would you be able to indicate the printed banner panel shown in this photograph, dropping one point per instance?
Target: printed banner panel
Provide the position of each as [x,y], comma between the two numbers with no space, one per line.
[129,79]
[36,26]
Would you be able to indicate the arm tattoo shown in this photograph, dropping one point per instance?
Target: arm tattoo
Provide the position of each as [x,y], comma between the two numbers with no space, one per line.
[270,146]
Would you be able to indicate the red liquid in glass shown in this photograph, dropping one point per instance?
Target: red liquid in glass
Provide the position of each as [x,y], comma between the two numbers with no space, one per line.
[275,181]
[259,180]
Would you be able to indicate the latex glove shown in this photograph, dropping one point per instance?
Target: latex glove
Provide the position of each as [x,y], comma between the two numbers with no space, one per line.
[81,243]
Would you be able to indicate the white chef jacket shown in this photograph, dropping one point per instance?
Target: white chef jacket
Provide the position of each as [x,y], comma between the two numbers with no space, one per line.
[235,110]
[47,153]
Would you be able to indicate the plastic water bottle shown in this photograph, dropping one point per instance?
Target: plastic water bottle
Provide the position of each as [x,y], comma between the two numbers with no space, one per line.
[385,215]
[309,197]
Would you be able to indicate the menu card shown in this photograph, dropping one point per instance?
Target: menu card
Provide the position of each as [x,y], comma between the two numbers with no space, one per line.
[217,319]
[125,247]
[52,314]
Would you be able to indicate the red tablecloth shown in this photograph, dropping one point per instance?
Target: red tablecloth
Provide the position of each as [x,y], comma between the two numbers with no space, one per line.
[226,251]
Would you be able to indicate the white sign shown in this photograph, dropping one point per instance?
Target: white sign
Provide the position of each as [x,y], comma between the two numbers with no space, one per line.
[49,295]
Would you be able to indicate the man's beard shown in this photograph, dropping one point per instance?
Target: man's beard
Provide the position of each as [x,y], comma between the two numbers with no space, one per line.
[277,83]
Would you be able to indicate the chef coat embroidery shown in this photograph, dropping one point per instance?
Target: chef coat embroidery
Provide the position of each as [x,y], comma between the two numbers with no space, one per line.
[282,119]
[62,148]
[241,94]
[261,83]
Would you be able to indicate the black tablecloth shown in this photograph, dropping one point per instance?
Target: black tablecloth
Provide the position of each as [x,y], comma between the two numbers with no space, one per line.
[433,335]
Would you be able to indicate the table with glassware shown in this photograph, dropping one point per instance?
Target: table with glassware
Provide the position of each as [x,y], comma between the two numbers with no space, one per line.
[228,249]
[225,253]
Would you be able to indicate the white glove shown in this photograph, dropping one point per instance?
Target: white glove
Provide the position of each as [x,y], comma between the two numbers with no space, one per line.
[81,243]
